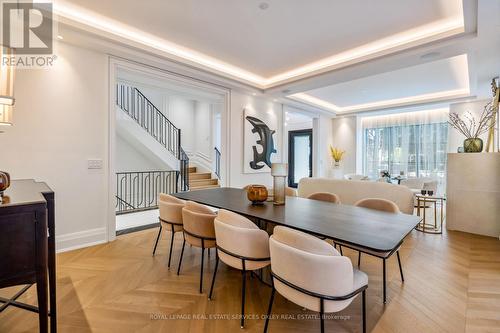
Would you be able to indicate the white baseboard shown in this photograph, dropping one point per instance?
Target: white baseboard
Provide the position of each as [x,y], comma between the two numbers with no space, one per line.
[80,239]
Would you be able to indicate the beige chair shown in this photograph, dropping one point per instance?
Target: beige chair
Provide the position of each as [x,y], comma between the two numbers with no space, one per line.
[351,191]
[310,273]
[290,192]
[241,245]
[385,206]
[171,217]
[325,196]
[198,231]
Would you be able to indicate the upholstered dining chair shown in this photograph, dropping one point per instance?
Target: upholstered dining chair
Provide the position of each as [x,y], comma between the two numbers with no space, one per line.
[325,196]
[241,245]
[312,274]
[171,217]
[198,231]
[290,192]
[385,206]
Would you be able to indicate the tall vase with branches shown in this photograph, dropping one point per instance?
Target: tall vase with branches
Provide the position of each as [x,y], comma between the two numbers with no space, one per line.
[472,129]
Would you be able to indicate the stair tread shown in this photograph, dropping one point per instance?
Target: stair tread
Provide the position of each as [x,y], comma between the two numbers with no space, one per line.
[200,175]
[203,180]
[191,188]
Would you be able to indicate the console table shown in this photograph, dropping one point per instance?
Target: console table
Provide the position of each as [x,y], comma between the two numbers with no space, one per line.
[27,247]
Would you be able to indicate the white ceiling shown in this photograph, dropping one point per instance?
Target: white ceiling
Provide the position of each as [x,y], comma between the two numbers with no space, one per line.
[264,44]
[281,51]
[428,78]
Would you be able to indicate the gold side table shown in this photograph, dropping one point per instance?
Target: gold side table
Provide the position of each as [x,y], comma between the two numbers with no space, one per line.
[433,201]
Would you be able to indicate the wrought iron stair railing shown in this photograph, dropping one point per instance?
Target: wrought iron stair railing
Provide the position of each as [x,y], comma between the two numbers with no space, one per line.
[149,117]
[217,162]
[139,190]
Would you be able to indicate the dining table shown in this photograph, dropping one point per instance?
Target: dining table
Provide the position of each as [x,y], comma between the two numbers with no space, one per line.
[369,231]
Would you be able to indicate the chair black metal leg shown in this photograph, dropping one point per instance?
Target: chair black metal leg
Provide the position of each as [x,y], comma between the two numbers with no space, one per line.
[213,278]
[359,259]
[384,281]
[266,325]
[201,270]
[363,310]
[243,279]
[322,314]
[157,238]
[180,259]
[340,247]
[171,246]
[400,267]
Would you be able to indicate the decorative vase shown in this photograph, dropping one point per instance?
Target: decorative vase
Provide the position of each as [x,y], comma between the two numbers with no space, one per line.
[257,194]
[473,145]
[4,182]
[336,164]
[279,171]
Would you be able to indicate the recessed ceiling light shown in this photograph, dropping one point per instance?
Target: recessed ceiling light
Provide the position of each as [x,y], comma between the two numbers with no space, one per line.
[263,5]
[60,37]
[254,94]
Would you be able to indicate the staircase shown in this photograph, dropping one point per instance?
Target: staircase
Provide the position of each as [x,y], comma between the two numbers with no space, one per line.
[201,180]
[144,113]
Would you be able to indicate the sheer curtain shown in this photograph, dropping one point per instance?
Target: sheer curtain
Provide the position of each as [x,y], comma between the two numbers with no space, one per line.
[414,144]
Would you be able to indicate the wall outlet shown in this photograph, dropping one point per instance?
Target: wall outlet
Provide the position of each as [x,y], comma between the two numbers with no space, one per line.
[94,164]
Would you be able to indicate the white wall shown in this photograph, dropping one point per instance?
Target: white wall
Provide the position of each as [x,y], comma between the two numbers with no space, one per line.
[322,135]
[129,158]
[344,138]
[60,121]
[202,134]
[455,138]
[181,114]
[239,102]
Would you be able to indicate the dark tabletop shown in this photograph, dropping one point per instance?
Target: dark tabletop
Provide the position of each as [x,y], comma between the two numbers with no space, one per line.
[24,192]
[368,228]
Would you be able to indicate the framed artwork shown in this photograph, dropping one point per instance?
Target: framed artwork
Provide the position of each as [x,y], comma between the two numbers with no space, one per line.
[261,140]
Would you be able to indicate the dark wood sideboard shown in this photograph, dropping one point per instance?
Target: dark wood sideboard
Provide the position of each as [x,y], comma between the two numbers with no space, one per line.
[27,247]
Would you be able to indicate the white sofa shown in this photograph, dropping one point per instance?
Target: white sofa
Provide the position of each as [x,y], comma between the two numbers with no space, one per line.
[351,191]
[421,183]
[354,176]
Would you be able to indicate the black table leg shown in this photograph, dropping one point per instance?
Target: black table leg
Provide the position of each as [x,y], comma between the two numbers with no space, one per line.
[42,270]
[384,280]
[52,260]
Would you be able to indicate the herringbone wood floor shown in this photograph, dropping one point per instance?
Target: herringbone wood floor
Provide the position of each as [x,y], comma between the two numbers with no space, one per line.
[452,285]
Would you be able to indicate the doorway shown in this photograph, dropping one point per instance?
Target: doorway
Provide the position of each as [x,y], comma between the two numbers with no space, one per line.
[300,145]
[147,161]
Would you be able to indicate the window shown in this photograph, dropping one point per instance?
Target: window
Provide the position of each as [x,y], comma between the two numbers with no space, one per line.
[418,150]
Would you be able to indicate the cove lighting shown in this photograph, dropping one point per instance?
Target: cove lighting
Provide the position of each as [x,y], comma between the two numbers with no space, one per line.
[410,38]
[432,97]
